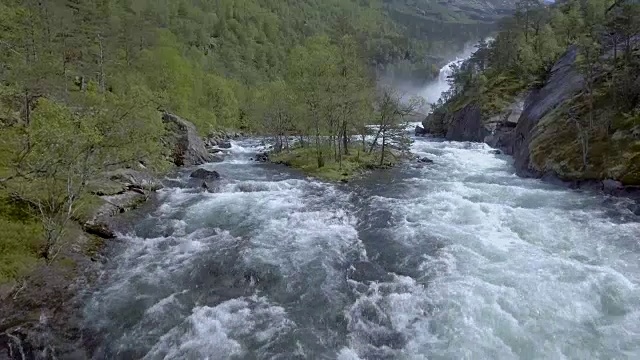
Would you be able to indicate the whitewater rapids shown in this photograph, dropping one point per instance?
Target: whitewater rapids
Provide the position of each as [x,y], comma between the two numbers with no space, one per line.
[459,259]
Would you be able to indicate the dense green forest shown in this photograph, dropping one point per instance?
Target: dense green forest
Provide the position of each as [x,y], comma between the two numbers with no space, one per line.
[593,134]
[82,83]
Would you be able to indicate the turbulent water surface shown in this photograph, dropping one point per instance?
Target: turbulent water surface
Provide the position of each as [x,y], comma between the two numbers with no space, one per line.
[459,259]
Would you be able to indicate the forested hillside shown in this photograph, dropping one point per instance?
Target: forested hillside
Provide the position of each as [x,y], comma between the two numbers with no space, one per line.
[573,71]
[82,85]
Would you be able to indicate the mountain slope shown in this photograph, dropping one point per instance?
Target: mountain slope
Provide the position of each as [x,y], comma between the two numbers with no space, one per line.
[559,89]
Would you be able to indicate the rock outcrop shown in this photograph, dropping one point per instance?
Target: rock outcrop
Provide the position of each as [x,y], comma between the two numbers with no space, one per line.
[502,126]
[188,149]
[542,130]
[120,191]
[467,125]
[204,174]
[101,222]
[565,81]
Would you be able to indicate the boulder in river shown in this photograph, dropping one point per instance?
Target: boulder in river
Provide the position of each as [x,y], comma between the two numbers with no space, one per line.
[188,147]
[420,131]
[425,160]
[612,186]
[205,174]
[262,157]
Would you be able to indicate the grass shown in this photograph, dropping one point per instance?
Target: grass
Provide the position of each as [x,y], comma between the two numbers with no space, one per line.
[20,240]
[22,237]
[352,165]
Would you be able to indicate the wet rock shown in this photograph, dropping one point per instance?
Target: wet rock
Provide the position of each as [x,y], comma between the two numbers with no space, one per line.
[206,186]
[612,186]
[224,145]
[425,160]
[217,158]
[467,125]
[100,229]
[565,81]
[365,271]
[135,179]
[420,131]
[100,223]
[188,147]
[262,157]
[205,174]
[495,152]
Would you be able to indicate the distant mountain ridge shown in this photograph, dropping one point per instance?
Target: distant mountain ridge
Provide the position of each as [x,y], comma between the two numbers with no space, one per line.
[455,11]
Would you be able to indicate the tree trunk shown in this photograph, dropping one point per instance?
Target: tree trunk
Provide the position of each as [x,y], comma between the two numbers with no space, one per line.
[375,140]
[384,141]
[345,140]
[102,82]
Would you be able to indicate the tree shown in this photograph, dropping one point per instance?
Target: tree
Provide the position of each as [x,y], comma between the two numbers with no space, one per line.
[311,72]
[391,111]
[276,111]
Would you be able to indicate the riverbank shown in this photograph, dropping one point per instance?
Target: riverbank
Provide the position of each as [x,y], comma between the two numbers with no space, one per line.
[42,298]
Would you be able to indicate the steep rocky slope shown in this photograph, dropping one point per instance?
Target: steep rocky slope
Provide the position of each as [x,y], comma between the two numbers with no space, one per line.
[538,130]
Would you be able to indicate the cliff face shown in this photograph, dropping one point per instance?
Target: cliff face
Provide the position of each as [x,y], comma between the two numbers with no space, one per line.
[562,85]
[544,139]
[466,125]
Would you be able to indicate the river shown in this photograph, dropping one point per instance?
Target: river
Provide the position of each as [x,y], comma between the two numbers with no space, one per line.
[459,259]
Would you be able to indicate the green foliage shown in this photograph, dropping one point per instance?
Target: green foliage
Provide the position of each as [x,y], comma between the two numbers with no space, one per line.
[21,239]
[594,135]
[81,83]
[352,165]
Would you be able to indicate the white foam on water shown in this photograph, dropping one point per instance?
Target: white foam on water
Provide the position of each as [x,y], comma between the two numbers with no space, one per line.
[250,186]
[488,265]
[297,229]
[523,270]
[218,332]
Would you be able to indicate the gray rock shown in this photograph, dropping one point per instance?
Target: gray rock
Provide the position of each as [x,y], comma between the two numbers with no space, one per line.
[565,81]
[425,160]
[217,158]
[467,125]
[262,157]
[101,223]
[131,178]
[224,145]
[205,174]
[420,131]
[207,186]
[188,147]
[612,186]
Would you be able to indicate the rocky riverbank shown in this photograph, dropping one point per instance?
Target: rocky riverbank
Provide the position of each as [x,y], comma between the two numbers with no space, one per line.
[536,128]
[41,314]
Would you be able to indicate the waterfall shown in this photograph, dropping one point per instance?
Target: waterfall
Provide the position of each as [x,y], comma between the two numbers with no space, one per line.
[433,91]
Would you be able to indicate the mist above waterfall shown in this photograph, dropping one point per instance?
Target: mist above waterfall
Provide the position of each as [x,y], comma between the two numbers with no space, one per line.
[432,90]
